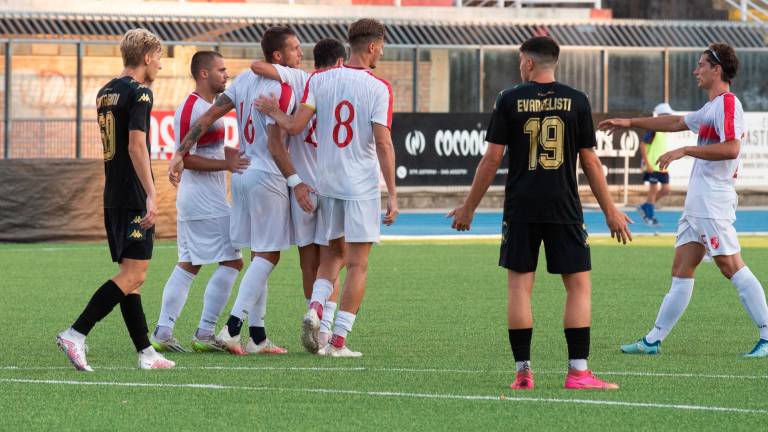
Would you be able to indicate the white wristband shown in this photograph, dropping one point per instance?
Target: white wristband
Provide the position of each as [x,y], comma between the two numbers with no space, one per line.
[294,180]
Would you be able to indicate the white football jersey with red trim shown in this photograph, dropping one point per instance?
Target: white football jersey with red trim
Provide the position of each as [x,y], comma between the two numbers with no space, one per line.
[347,102]
[711,190]
[252,124]
[202,194]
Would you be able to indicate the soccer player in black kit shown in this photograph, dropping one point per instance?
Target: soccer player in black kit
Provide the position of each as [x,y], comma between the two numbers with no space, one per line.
[544,125]
[130,208]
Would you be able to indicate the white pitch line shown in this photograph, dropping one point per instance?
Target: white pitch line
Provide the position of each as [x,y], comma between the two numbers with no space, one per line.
[395,395]
[401,370]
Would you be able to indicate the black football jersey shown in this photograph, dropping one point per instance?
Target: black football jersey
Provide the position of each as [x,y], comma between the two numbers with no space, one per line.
[543,127]
[122,105]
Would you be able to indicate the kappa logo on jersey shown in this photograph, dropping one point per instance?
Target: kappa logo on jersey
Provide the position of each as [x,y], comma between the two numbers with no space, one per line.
[136,220]
[135,234]
[715,242]
[144,98]
[415,142]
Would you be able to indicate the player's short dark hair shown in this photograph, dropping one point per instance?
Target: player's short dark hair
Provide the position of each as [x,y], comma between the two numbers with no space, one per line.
[543,48]
[274,40]
[364,31]
[202,60]
[723,55]
[327,51]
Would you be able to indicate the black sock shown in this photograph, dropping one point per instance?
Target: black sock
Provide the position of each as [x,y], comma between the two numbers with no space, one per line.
[135,321]
[258,334]
[234,325]
[520,342]
[101,304]
[578,342]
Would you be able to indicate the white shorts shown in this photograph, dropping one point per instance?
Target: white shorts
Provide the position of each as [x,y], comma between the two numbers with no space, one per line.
[304,224]
[261,212]
[356,221]
[205,241]
[716,235]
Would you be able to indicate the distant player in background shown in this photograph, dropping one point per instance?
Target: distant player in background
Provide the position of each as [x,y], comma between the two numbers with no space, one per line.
[706,228]
[202,213]
[130,202]
[654,145]
[354,117]
[545,125]
[303,148]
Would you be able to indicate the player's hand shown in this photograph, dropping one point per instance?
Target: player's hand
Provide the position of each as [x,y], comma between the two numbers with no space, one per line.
[612,124]
[392,211]
[667,158]
[175,168]
[236,163]
[149,219]
[302,192]
[618,223]
[462,218]
[267,105]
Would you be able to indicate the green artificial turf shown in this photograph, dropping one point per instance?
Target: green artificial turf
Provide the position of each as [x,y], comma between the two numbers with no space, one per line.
[433,332]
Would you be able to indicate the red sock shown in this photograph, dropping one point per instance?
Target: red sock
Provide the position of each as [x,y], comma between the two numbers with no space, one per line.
[337,341]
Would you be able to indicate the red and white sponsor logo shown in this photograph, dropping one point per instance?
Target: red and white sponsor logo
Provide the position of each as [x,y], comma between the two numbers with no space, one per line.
[715,242]
[161,138]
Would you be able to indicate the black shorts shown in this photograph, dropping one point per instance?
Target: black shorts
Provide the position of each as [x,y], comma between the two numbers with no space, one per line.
[125,236]
[565,245]
[656,177]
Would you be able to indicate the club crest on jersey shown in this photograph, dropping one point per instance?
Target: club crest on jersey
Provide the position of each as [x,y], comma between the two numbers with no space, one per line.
[144,98]
[715,242]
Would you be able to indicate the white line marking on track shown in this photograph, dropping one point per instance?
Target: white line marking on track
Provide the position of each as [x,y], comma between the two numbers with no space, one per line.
[403,370]
[393,394]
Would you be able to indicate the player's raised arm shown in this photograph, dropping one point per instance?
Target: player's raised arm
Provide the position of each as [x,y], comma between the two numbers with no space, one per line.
[616,220]
[667,123]
[293,124]
[265,69]
[484,175]
[385,152]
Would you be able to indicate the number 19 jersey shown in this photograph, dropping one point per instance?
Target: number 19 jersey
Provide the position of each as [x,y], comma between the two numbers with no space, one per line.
[543,127]
[347,101]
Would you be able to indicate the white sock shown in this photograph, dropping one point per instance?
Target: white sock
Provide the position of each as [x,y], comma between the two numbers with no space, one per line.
[321,290]
[671,309]
[174,296]
[216,296]
[328,311]
[253,284]
[523,365]
[258,310]
[752,297]
[577,364]
[344,323]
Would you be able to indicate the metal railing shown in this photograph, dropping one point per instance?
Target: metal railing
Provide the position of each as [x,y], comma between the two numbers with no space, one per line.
[596,4]
[756,10]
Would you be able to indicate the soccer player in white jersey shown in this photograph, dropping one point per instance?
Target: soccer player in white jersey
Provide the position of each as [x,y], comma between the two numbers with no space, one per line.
[261,208]
[327,53]
[202,213]
[706,228]
[354,117]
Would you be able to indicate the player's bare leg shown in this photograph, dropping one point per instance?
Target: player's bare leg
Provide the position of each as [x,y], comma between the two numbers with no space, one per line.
[751,296]
[577,320]
[175,295]
[351,298]
[687,259]
[331,262]
[520,325]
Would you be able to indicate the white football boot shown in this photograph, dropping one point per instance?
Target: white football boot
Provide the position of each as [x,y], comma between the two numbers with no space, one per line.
[343,352]
[230,343]
[151,359]
[170,344]
[265,347]
[310,331]
[74,348]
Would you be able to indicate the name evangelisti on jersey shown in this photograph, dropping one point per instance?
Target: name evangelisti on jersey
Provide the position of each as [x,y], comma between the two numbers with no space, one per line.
[543,127]
[303,146]
[711,190]
[347,101]
[202,194]
[252,124]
